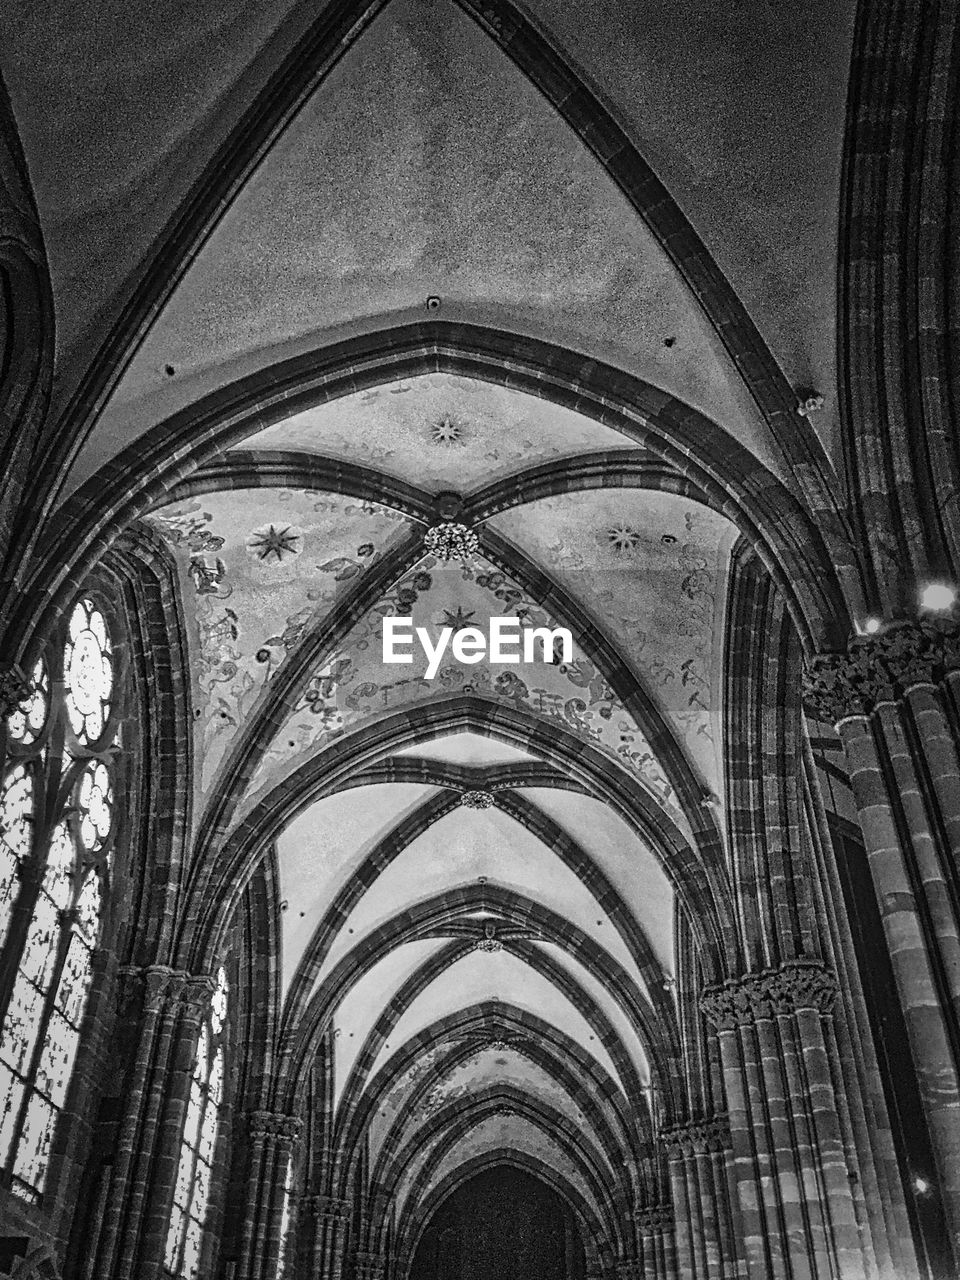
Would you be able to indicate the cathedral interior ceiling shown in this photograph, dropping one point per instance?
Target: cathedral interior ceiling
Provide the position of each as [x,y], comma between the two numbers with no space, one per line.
[426,163]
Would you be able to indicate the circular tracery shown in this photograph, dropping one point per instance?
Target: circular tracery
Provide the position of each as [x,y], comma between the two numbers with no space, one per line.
[95,805]
[54,831]
[26,723]
[88,671]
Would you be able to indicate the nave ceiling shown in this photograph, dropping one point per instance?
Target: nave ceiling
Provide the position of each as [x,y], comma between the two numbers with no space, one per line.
[470,974]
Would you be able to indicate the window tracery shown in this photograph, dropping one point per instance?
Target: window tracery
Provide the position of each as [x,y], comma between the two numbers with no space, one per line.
[192,1188]
[57,830]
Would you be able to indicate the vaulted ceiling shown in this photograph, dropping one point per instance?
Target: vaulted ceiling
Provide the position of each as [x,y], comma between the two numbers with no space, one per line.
[477,877]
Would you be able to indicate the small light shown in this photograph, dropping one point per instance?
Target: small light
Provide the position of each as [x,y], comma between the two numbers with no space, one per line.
[872,626]
[938,596]
[921,1186]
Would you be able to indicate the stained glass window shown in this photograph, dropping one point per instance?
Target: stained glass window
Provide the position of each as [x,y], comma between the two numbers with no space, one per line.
[192,1189]
[56,833]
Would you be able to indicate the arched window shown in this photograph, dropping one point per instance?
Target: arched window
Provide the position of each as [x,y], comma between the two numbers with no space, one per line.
[192,1189]
[57,820]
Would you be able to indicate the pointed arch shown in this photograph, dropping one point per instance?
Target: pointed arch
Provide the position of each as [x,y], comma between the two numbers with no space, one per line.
[411,1226]
[704,889]
[433,917]
[791,542]
[459,1036]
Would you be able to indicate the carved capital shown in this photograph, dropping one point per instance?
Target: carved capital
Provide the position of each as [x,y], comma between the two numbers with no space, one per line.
[796,985]
[196,994]
[263,1124]
[15,687]
[324,1207]
[880,668]
[697,1137]
[152,988]
[653,1218]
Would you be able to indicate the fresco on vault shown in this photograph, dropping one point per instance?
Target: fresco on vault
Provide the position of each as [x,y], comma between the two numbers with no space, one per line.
[354,684]
[652,570]
[257,567]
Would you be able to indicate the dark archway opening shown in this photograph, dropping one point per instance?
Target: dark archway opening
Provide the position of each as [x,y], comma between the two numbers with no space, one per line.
[502,1224]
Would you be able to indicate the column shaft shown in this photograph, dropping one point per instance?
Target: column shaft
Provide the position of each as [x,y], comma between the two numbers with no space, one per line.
[893,698]
[270,1146]
[790,1172]
[163,1014]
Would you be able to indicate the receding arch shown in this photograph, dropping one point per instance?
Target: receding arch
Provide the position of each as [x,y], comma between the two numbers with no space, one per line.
[432,917]
[411,1224]
[255,469]
[454,1121]
[566,985]
[394,843]
[704,889]
[277,698]
[613,1119]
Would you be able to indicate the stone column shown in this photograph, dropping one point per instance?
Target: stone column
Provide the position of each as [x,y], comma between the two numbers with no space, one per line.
[161,1013]
[656,1246]
[323,1222]
[790,1168]
[698,1153]
[895,700]
[271,1138]
[369,1266]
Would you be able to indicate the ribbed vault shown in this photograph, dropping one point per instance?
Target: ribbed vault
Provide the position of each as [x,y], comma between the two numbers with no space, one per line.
[474,884]
[388,265]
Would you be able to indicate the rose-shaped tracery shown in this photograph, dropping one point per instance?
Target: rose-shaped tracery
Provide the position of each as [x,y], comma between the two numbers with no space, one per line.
[94,805]
[88,672]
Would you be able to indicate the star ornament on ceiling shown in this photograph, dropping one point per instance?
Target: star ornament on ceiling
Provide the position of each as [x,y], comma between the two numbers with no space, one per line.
[446,432]
[278,542]
[459,620]
[622,538]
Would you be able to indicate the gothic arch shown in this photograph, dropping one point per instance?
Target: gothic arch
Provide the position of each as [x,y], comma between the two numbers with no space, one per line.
[729,476]
[587,1215]
[216,892]
[432,917]
[414,824]
[581,1075]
